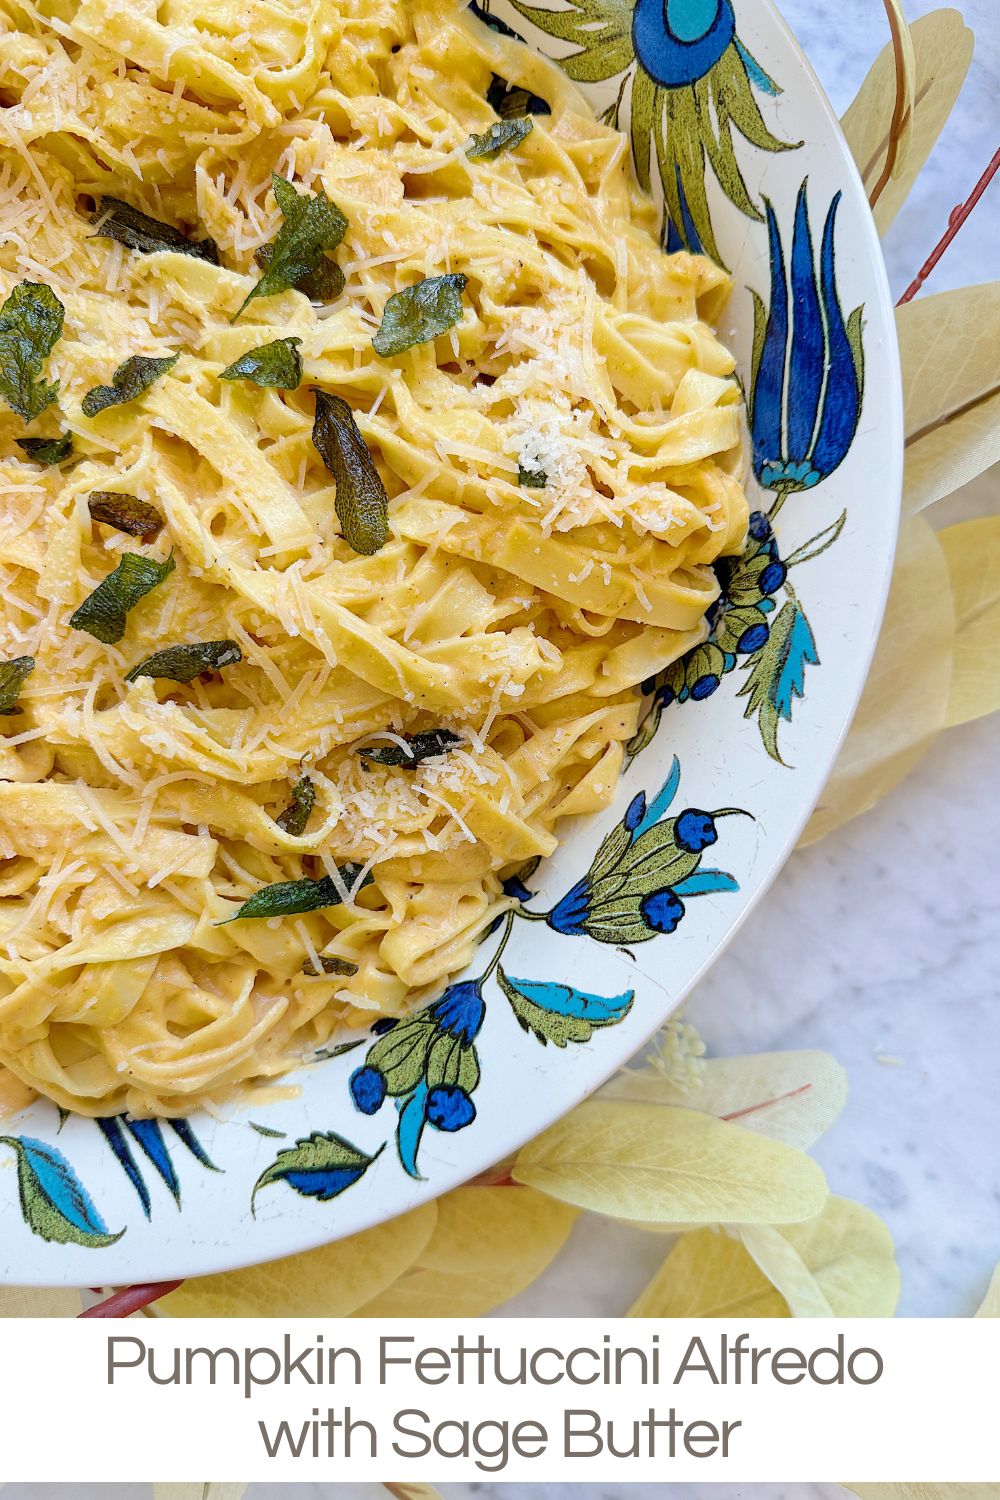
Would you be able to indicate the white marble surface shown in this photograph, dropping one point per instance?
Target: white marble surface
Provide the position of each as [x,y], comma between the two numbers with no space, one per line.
[881,942]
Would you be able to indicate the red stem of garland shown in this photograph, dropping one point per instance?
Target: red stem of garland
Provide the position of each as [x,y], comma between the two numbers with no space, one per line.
[955,222]
[130,1299]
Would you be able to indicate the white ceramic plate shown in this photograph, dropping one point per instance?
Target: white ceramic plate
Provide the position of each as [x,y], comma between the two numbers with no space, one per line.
[751,722]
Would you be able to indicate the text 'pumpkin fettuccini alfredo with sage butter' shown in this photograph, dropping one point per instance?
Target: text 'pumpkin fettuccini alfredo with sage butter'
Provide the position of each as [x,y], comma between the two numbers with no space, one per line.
[361,454]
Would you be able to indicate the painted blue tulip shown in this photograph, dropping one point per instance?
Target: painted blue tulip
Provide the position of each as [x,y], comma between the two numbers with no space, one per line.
[679,41]
[807,383]
[460,1011]
[368,1089]
[569,914]
[449,1108]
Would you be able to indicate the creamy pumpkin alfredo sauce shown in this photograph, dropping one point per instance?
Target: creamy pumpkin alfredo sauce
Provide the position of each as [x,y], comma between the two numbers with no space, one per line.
[361,453]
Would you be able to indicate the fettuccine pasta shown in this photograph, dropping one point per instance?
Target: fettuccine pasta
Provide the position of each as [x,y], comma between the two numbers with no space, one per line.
[397,726]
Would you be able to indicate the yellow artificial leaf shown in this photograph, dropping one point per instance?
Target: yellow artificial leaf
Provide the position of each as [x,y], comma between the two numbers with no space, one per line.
[905,701]
[925,1491]
[942,50]
[839,1264]
[709,1275]
[326,1283]
[990,1305]
[39,1302]
[489,1244]
[791,1096]
[660,1164]
[951,390]
[972,552]
[208,1489]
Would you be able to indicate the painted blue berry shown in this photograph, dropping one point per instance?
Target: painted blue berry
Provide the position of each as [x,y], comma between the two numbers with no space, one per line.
[449,1108]
[665,695]
[695,830]
[753,638]
[384,1024]
[635,812]
[662,910]
[772,577]
[759,527]
[367,1086]
[704,687]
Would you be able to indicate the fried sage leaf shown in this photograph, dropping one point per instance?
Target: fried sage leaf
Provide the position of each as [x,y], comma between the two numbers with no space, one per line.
[31,321]
[185,663]
[325,284]
[12,675]
[103,613]
[531,479]
[419,313]
[47,450]
[130,379]
[502,136]
[312,224]
[286,898]
[362,504]
[420,748]
[329,965]
[117,220]
[125,513]
[296,815]
[277,365]
[509,99]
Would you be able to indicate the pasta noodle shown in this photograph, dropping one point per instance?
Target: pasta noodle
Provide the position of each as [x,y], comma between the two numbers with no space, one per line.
[562,464]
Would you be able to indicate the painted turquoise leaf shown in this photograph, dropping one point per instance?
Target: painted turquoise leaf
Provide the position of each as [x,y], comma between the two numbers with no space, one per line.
[320,1166]
[655,810]
[777,674]
[704,882]
[410,1128]
[558,1013]
[55,1204]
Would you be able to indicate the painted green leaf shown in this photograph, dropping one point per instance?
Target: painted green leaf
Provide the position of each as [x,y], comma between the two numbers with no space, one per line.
[325,284]
[286,898]
[185,663]
[31,322]
[401,1054]
[131,378]
[420,313]
[508,99]
[277,365]
[450,1061]
[296,815]
[125,513]
[601,29]
[776,674]
[320,1166]
[420,747]
[504,135]
[558,1013]
[12,676]
[47,450]
[312,224]
[103,613]
[361,503]
[54,1202]
[117,220]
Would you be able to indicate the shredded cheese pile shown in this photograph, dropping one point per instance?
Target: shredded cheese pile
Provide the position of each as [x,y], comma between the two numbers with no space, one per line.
[136,816]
